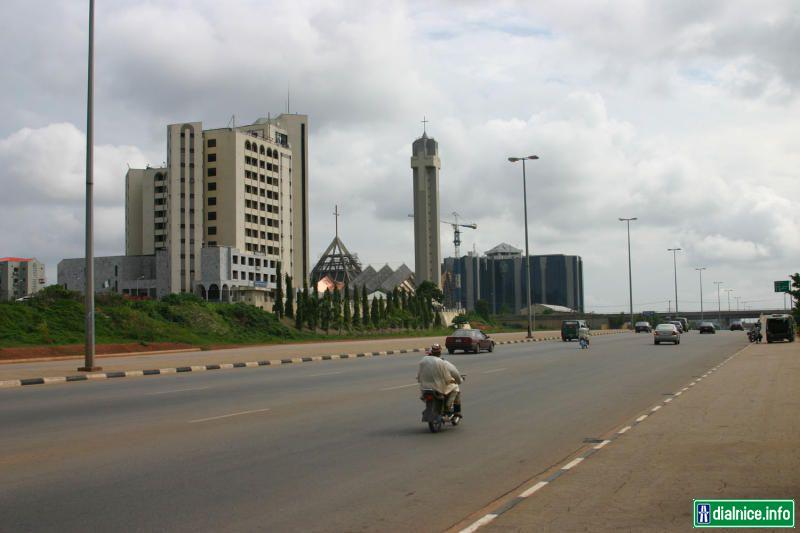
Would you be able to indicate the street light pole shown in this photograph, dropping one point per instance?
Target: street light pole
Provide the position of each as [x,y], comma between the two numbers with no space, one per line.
[630,275]
[737,298]
[531,311]
[88,364]
[675,270]
[719,305]
[700,270]
[729,291]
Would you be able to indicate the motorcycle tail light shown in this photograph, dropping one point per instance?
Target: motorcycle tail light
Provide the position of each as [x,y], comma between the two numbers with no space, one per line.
[428,397]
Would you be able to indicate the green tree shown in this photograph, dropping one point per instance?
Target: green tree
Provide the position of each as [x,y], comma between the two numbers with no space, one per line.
[277,305]
[290,297]
[482,308]
[364,307]
[356,308]
[429,291]
[374,313]
[348,316]
[795,294]
[298,317]
[325,311]
[308,312]
[315,308]
[336,310]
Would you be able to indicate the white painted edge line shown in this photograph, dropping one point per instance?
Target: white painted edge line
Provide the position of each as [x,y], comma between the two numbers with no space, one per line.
[478,523]
[533,489]
[668,400]
[401,387]
[198,368]
[251,364]
[10,383]
[228,415]
[684,389]
[225,366]
[623,430]
[602,444]
[96,376]
[48,381]
[572,464]
[133,373]
[641,418]
[656,408]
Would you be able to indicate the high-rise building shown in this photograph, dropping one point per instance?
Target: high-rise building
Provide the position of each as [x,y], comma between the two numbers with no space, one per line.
[425,166]
[20,277]
[242,187]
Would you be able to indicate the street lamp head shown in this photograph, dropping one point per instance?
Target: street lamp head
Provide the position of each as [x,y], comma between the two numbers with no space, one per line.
[674,249]
[513,159]
[532,157]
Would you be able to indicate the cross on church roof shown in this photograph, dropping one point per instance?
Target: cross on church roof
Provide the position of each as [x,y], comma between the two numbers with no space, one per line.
[424,124]
[336,214]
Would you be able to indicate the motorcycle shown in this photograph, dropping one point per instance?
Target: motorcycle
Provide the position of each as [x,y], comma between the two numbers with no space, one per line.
[754,336]
[434,413]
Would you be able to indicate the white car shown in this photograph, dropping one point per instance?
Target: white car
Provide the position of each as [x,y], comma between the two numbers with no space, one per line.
[666,333]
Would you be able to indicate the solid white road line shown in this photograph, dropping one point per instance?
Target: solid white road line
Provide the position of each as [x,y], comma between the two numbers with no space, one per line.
[495,370]
[533,489]
[174,390]
[572,464]
[623,430]
[482,522]
[325,374]
[401,387]
[641,418]
[228,415]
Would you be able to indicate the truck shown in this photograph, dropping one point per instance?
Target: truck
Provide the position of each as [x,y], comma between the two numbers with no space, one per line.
[779,327]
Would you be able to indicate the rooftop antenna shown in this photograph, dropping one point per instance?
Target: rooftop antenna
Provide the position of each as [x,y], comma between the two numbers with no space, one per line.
[288,97]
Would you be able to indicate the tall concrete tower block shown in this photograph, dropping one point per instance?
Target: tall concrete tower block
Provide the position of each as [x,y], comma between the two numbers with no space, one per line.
[425,165]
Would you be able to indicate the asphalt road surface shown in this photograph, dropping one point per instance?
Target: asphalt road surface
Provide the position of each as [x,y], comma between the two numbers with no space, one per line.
[329,446]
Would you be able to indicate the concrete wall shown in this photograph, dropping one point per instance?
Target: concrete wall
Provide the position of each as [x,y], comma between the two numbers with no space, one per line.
[123,274]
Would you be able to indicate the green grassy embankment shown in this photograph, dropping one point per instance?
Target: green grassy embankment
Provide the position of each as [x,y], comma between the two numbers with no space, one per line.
[56,317]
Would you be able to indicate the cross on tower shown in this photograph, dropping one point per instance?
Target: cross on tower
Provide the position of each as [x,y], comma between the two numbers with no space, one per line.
[336,215]
[424,124]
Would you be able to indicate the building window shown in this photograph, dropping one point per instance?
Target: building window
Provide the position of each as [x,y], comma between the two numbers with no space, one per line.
[212,215]
[235,275]
[212,200]
[212,185]
[212,158]
[159,201]
[235,259]
[212,230]
[212,143]
[212,172]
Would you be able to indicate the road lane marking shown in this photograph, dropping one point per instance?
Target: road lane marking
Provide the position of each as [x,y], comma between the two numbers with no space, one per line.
[668,400]
[641,418]
[495,370]
[572,464]
[600,445]
[401,387]
[623,430]
[174,390]
[240,413]
[325,374]
[533,489]
[656,408]
[482,522]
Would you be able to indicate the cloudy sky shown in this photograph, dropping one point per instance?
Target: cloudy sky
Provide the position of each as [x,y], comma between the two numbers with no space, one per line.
[684,114]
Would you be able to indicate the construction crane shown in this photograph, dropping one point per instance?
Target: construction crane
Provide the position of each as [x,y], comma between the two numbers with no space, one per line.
[457,231]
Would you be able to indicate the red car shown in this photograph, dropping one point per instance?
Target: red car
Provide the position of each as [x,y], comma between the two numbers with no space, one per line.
[469,340]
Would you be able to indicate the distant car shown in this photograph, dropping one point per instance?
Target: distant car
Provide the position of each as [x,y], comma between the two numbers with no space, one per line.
[469,340]
[667,333]
[572,329]
[643,327]
[736,325]
[678,324]
[706,327]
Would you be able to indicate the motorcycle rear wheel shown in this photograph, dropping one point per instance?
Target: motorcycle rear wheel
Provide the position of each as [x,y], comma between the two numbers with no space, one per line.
[436,425]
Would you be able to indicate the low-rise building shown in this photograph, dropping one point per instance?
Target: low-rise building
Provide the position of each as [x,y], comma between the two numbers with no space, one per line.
[20,277]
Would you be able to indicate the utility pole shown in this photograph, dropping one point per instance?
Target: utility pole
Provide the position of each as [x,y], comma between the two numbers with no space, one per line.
[88,364]
[675,270]
[700,270]
[630,276]
[531,311]
[737,298]
[719,305]
[729,291]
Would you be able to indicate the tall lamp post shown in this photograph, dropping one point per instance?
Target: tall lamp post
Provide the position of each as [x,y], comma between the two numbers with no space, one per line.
[737,298]
[675,271]
[700,270]
[719,304]
[531,317]
[729,291]
[630,276]
[88,364]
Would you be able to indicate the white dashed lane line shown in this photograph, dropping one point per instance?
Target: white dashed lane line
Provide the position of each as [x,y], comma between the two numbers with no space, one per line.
[533,489]
[240,413]
[400,387]
[495,370]
[641,418]
[175,391]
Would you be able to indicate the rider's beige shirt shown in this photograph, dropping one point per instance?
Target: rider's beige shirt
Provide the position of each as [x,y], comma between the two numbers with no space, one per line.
[437,374]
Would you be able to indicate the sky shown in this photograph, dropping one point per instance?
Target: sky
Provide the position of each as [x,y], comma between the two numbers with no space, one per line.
[683,114]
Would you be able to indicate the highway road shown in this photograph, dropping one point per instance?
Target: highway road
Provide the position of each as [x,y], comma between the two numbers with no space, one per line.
[329,446]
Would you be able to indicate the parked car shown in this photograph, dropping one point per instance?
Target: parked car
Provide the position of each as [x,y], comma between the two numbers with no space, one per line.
[667,333]
[780,327]
[469,340]
[678,324]
[572,329]
[736,325]
[706,327]
[643,327]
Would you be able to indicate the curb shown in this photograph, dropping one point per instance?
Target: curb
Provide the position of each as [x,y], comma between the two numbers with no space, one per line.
[9,383]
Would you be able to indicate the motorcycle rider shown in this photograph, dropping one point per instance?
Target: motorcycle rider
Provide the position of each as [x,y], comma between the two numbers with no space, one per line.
[443,377]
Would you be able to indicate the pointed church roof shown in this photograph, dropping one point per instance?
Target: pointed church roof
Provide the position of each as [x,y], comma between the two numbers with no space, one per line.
[337,263]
